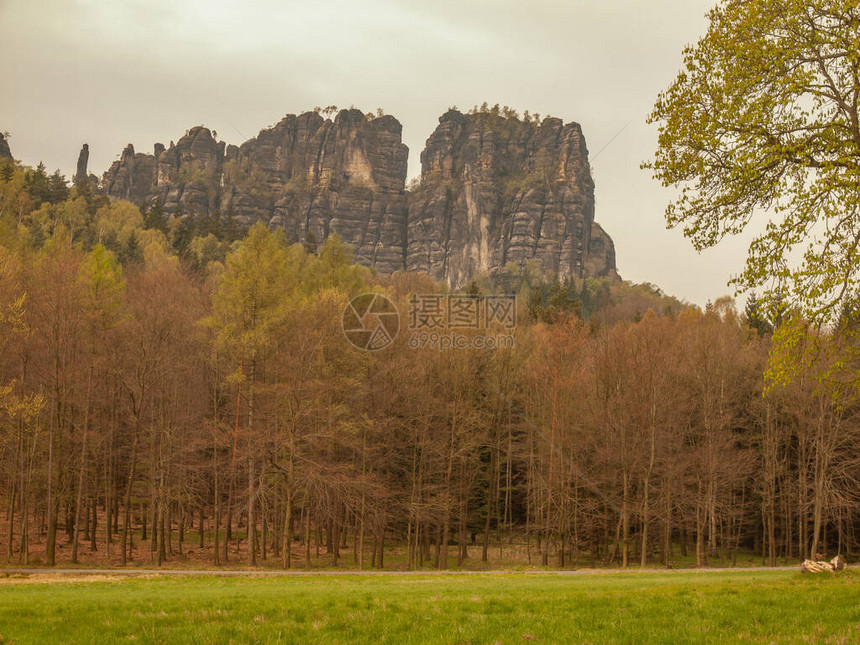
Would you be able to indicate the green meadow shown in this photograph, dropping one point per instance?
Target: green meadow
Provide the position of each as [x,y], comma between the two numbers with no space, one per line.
[648,607]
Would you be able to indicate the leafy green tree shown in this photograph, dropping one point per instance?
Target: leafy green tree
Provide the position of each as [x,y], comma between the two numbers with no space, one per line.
[335,269]
[118,221]
[764,117]
[207,249]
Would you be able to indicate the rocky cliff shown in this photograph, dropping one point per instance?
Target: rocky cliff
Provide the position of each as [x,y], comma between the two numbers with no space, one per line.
[311,175]
[307,174]
[494,191]
[5,152]
[81,168]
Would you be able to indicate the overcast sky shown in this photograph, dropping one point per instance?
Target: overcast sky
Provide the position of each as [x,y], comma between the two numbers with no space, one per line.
[112,72]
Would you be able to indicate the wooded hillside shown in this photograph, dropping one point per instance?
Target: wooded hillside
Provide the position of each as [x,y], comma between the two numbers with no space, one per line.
[168,385]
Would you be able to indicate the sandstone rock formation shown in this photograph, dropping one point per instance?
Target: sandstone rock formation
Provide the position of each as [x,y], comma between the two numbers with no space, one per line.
[132,177]
[495,190]
[83,159]
[5,152]
[311,175]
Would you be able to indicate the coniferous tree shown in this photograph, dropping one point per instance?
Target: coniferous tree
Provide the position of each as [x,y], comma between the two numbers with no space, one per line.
[155,218]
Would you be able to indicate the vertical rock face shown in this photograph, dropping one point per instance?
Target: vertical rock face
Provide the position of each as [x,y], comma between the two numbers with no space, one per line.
[307,174]
[83,159]
[313,176]
[5,152]
[188,174]
[496,191]
[131,177]
[184,176]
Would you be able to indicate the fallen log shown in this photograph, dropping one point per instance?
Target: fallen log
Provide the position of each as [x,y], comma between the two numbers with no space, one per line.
[818,566]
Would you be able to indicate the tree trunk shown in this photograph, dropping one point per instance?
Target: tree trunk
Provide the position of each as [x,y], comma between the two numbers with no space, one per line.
[82,467]
[126,524]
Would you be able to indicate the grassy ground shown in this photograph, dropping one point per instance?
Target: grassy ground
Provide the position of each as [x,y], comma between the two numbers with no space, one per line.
[680,607]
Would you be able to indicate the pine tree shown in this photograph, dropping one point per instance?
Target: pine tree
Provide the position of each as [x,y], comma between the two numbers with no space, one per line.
[36,184]
[231,229]
[154,217]
[755,318]
[58,189]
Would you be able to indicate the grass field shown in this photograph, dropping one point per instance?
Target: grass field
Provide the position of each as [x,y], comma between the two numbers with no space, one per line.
[669,607]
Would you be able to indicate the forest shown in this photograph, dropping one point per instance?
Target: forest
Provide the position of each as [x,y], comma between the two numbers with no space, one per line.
[173,388]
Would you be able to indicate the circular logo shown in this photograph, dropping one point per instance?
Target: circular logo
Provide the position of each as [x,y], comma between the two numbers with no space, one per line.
[370,322]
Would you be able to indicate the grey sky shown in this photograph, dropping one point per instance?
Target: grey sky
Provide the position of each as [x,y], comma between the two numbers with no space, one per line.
[112,72]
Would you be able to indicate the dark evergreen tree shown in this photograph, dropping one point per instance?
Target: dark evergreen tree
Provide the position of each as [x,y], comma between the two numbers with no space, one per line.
[36,184]
[550,302]
[310,243]
[184,233]
[132,253]
[58,189]
[213,225]
[849,314]
[154,217]
[755,317]
[232,231]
